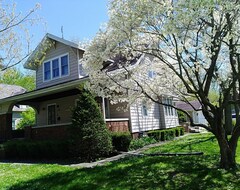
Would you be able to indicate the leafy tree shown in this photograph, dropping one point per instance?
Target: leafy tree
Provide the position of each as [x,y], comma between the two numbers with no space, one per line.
[28,119]
[14,36]
[193,46]
[16,77]
[90,136]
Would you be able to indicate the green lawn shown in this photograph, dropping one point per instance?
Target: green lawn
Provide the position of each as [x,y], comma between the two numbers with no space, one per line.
[182,172]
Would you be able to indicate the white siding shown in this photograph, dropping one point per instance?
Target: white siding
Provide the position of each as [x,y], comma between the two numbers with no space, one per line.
[58,50]
[140,123]
[170,120]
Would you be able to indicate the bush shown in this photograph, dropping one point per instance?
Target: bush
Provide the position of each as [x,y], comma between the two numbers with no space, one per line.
[121,140]
[28,118]
[166,134]
[36,150]
[141,142]
[90,138]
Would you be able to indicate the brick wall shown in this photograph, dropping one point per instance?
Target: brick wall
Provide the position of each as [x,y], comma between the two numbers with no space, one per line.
[5,127]
[47,133]
[118,126]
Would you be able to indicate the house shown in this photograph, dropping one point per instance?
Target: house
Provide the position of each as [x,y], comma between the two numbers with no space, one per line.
[57,63]
[194,108]
[12,90]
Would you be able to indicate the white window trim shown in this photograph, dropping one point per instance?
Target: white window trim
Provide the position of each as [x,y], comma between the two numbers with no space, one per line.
[55,112]
[60,68]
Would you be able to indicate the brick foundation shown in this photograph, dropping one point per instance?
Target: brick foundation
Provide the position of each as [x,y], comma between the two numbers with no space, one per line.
[5,127]
[46,133]
[118,126]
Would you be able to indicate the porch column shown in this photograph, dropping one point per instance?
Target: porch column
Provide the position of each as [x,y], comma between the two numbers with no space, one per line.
[103,108]
[5,126]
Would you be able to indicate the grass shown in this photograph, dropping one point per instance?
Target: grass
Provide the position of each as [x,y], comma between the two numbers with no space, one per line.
[182,172]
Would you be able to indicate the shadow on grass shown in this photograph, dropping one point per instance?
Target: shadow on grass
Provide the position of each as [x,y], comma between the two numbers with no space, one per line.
[141,173]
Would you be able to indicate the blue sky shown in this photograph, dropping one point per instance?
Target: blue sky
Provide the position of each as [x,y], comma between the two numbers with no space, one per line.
[81,19]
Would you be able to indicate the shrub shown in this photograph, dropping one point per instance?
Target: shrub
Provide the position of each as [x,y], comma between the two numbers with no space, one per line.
[28,119]
[121,140]
[90,138]
[141,142]
[166,134]
[36,150]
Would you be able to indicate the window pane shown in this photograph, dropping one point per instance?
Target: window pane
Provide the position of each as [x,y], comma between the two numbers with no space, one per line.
[64,65]
[55,68]
[47,71]
[144,108]
[51,114]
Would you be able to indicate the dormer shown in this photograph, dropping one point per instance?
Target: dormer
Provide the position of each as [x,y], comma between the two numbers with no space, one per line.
[55,61]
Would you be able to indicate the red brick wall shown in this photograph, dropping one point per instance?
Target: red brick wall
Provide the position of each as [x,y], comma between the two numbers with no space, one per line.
[118,126]
[47,133]
[5,127]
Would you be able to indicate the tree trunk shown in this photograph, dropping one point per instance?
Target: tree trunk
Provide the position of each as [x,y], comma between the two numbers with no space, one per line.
[227,159]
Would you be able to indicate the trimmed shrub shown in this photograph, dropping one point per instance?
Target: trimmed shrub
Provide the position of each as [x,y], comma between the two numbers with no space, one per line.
[141,142]
[90,138]
[166,134]
[36,150]
[121,140]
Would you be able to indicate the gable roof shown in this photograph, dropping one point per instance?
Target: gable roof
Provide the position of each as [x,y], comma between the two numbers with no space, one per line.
[10,90]
[187,107]
[39,50]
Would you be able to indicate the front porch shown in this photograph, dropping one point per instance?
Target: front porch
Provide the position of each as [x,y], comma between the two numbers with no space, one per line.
[53,115]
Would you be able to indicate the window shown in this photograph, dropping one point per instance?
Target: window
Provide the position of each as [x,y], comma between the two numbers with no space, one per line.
[169,110]
[47,71]
[144,110]
[151,74]
[51,114]
[64,65]
[55,68]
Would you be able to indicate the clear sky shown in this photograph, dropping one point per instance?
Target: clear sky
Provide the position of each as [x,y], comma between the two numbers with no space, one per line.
[81,19]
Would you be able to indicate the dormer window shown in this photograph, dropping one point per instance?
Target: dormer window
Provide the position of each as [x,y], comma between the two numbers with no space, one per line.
[56,68]
[64,65]
[47,71]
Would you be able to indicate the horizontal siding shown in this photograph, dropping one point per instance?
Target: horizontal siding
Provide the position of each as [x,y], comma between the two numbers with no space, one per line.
[53,52]
[140,123]
[171,121]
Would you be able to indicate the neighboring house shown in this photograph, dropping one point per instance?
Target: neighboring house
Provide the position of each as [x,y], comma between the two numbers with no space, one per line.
[12,90]
[57,63]
[194,108]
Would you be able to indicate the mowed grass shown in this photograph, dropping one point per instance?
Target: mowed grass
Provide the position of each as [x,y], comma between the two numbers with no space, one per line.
[158,172]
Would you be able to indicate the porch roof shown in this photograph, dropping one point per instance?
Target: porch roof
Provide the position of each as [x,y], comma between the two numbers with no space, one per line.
[37,94]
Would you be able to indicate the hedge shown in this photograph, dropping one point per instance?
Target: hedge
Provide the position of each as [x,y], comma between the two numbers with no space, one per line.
[121,140]
[36,150]
[167,134]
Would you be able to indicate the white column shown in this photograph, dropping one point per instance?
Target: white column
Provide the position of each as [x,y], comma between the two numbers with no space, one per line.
[103,108]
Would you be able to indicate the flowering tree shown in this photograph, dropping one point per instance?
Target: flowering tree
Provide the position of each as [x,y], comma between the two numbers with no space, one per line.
[14,36]
[192,46]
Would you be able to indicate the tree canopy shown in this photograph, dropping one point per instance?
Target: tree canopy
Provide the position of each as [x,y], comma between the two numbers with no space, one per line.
[14,36]
[13,76]
[192,47]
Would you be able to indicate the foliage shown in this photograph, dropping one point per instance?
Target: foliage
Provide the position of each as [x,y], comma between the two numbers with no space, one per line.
[181,116]
[16,77]
[181,172]
[121,140]
[167,134]
[141,142]
[191,52]
[90,138]
[28,119]
[14,35]
[35,150]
